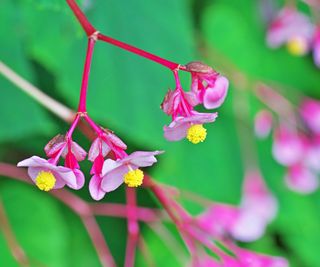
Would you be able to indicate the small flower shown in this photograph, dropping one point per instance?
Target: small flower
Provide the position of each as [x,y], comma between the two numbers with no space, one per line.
[190,127]
[301,179]
[310,113]
[115,172]
[292,28]
[263,124]
[48,176]
[288,148]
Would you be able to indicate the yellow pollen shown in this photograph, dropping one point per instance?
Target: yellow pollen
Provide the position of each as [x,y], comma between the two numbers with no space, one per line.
[133,178]
[196,133]
[45,180]
[297,46]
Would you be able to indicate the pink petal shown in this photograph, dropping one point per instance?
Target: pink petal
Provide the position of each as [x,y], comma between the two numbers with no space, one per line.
[117,141]
[113,179]
[215,96]
[79,179]
[78,151]
[95,189]
[33,161]
[316,47]
[142,158]
[54,145]
[110,165]
[97,145]
[176,130]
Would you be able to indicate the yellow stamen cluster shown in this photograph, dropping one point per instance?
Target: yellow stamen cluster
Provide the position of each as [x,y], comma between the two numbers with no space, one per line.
[297,46]
[134,178]
[196,133]
[45,180]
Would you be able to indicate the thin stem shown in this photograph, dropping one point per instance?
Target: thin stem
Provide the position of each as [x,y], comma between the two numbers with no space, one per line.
[85,77]
[94,126]
[86,25]
[54,106]
[16,250]
[73,126]
[164,62]
[133,227]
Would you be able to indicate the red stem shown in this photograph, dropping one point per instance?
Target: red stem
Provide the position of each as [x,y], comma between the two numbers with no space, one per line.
[86,25]
[167,63]
[85,77]
[133,227]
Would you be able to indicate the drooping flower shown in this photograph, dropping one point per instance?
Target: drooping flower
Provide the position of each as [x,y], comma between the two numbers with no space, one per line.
[47,175]
[246,222]
[292,28]
[263,124]
[189,127]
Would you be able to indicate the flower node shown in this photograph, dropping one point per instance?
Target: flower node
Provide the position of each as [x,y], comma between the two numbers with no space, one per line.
[134,178]
[196,133]
[45,180]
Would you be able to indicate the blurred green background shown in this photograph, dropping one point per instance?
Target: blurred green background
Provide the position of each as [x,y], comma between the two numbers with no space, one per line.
[41,40]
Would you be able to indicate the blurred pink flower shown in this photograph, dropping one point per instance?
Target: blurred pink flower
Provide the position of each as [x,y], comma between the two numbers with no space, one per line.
[288,147]
[47,175]
[246,222]
[292,28]
[310,112]
[263,123]
[301,179]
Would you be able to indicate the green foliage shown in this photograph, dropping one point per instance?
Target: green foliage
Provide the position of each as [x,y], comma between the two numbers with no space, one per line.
[43,42]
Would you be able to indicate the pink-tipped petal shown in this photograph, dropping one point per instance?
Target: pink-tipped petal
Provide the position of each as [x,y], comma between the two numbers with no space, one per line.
[215,96]
[142,158]
[176,130]
[98,146]
[55,145]
[79,153]
[310,112]
[79,179]
[95,189]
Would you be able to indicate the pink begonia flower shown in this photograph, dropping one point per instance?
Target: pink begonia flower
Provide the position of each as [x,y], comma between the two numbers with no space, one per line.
[316,47]
[178,129]
[113,172]
[248,221]
[263,124]
[288,147]
[48,176]
[301,179]
[292,28]
[258,208]
[310,112]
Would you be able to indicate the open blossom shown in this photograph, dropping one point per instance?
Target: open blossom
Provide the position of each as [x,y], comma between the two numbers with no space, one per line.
[114,172]
[246,222]
[292,28]
[47,175]
[263,124]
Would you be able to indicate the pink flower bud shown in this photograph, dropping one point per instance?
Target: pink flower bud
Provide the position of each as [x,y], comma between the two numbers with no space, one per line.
[214,96]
